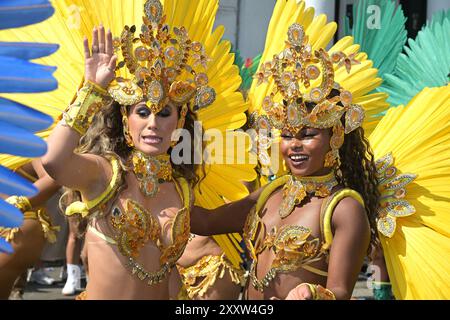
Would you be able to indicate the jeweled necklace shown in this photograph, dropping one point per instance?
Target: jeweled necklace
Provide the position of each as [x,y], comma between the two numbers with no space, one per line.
[151,171]
[296,189]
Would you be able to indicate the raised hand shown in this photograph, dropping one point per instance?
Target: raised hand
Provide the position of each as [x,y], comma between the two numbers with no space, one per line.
[101,61]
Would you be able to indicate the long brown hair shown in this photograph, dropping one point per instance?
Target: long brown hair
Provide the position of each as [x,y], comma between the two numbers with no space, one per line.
[358,170]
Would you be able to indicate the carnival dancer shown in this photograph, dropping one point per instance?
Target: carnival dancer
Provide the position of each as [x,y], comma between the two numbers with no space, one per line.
[137,198]
[302,245]
[29,239]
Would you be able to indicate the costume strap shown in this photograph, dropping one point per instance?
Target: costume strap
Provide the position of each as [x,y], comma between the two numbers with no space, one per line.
[327,209]
[184,190]
[26,175]
[102,236]
[267,192]
[83,208]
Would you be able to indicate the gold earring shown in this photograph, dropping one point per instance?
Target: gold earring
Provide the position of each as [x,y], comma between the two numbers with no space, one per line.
[126,130]
[180,123]
[331,158]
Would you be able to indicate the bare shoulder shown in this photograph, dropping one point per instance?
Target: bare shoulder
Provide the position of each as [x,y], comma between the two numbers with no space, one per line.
[100,172]
[349,213]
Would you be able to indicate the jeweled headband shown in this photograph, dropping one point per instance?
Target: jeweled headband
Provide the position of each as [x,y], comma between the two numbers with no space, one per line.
[293,70]
[164,63]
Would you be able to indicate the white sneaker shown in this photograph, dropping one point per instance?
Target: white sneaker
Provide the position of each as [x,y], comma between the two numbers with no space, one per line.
[41,277]
[73,283]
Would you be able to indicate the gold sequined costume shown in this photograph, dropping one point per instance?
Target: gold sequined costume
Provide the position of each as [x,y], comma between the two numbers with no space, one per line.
[200,277]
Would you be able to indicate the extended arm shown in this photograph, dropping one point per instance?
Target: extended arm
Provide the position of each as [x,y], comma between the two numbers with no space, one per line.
[228,218]
[85,172]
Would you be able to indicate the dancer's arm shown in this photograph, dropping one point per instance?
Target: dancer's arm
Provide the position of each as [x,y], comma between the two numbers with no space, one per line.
[85,172]
[228,218]
[351,237]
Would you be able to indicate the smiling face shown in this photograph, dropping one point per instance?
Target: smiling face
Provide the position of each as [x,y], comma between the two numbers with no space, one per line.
[305,152]
[151,133]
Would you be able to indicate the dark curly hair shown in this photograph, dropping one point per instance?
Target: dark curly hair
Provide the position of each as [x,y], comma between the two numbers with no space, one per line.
[358,172]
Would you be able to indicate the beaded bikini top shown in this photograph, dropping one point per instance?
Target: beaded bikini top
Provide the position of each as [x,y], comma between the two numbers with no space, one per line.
[135,226]
[291,244]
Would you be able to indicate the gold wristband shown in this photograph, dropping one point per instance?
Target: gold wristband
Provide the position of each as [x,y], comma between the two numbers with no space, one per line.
[20,202]
[90,99]
[324,293]
[318,292]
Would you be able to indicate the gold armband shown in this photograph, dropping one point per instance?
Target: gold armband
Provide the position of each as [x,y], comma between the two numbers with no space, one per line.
[90,99]
[20,202]
[318,292]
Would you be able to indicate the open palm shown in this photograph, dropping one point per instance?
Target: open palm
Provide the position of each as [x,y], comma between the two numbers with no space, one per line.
[100,63]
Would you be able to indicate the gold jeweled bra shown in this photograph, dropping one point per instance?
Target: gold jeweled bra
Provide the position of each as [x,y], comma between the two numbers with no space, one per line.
[136,226]
[289,243]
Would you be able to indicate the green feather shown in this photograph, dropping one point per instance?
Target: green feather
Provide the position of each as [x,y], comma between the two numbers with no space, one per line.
[238,60]
[245,73]
[383,44]
[248,73]
[425,63]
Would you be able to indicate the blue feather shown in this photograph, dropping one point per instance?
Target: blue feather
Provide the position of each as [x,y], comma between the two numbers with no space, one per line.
[19,75]
[11,217]
[27,50]
[20,142]
[18,13]
[22,116]
[22,76]
[13,184]
[5,246]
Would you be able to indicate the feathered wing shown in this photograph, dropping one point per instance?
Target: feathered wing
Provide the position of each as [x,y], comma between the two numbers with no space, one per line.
[425,63]
[18,122]
[414,221]
[379,28]
[75,18]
